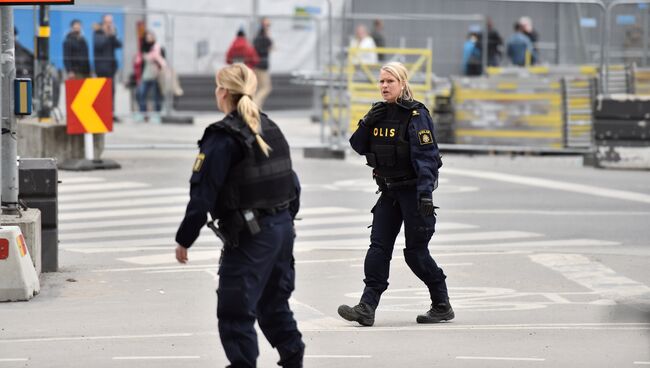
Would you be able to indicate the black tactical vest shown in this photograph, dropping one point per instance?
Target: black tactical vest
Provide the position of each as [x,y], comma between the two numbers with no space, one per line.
[257,182]
[390,150]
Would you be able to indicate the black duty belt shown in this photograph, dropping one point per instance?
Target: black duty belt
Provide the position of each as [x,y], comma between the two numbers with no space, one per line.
[391,183]
[270,211]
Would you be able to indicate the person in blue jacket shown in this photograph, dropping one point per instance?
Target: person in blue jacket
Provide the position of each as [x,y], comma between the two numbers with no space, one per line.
[396,136]
[243,177]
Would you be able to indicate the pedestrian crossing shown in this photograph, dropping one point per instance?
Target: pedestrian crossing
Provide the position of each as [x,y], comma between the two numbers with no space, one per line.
[98,216]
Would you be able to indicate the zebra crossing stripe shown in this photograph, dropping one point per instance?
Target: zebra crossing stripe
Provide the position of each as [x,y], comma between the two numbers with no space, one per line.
[70,227]
[144,211]
[310,211]
[103,236]
[362,244]
[160,241]
[64,207]
[118,194]
[81,180]
[100,186]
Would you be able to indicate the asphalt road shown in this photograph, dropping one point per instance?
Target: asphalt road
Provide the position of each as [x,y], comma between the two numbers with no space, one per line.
[547,265]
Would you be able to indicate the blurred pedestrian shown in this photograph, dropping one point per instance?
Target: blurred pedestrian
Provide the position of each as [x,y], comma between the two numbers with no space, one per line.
[75,53]
[396,136]
[378,36]
[495,44]
[243,178]
[362,40]
[519,48]
[241,51]
[472,59]
[153,64]
[263,46]
[105,42]
[533,36]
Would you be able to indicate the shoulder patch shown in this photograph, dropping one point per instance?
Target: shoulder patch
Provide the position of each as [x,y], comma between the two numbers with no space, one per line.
[415,113]
[424,136]
[198,163]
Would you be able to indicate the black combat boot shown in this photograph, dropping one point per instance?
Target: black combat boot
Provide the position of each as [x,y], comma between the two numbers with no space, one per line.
[439,312]
[362,313]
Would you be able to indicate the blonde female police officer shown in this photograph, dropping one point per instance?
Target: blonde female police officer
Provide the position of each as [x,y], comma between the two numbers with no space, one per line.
[396,136]
[243,177]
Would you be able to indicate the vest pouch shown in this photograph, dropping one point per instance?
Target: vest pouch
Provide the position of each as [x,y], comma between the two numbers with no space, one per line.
[371,160]
[385,155]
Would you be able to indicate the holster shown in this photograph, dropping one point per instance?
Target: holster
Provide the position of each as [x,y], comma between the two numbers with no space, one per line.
[230,226]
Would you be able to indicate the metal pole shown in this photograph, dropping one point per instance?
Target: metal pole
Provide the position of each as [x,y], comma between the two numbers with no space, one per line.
[169,43]
[43,84]
[89,147]
[486,36]
[645,37]
[9,149]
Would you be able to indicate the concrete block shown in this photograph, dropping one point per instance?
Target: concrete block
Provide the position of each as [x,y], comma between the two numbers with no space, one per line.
[49,250]
[18,278]
[51,140]
[29,222]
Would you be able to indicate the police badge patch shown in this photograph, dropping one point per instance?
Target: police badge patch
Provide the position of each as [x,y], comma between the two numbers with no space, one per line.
[198,163]
[425,137]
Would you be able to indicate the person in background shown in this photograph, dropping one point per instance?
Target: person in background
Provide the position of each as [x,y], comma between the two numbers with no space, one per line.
[105,42]
[243,178]
[472,60]
[533,36]
[75,53]
[263,46]
[362,40]
[378,36]
[153,63]
[495,43]
[396,136]
[519,48]
[241,51]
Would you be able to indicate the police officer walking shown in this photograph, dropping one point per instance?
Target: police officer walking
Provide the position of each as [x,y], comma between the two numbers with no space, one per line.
[244,179]
[396,136]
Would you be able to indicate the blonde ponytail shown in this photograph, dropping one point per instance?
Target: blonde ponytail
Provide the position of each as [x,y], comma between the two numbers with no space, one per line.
[241,82]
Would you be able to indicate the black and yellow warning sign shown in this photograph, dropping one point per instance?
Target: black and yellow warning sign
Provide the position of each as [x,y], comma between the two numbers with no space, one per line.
[425,137]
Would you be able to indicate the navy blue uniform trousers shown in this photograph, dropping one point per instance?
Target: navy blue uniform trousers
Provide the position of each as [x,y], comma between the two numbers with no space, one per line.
[256,280]
[394,207]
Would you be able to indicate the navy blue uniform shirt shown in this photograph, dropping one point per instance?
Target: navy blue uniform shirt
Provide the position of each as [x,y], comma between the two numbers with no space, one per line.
[424,153]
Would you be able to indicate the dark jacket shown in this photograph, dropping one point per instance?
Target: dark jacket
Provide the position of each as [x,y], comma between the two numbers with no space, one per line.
[263,46]
[104,53]
[24,62]
[75,54]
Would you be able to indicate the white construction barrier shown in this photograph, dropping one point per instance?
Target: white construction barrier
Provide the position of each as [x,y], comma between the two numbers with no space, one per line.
[18,279]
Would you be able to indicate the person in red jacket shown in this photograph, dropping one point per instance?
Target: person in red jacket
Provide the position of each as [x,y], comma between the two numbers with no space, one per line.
[241,51]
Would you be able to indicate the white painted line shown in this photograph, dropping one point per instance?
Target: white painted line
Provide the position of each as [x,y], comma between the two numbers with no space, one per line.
[80,180]
[179,210]
[157,357]
[140,243]
[549,213]
[482,236]
[337,356]
[115,233]
[9,360]
[367,220]
[94,338]
[501,358]
[153,220]
[66,207]
[310,211]
[100,186]
[593,275]
[150,192]
[513,327]
[642,363]
[552,184]
[159,268]
[116,250]
[354,244]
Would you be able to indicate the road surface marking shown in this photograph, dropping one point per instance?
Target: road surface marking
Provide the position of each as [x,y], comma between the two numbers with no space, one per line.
[68,207]
[170,220]
[552,184]
[81,180]
[157,357]
[361,244]
[145,211]
[169,257]
[593,275]
[337,356]
[212,240]
[149,192]
[310,211]
[642,363]
[101,186]
[501,358]
[8,360]
[102,236]
[549,213]
[93,338]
